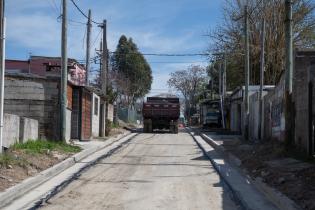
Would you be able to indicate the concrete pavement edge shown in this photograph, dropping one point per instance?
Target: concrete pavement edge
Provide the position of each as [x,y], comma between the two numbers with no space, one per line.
[277,198]
[16,191]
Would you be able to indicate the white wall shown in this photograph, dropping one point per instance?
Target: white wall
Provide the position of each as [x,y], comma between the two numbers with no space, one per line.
[68,125]
[110,112]
[95,115]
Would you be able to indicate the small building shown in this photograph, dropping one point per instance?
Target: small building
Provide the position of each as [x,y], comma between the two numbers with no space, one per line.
[32,90]
[237,110]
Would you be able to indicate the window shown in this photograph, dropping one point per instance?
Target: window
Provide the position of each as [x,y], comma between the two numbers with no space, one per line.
[95,106]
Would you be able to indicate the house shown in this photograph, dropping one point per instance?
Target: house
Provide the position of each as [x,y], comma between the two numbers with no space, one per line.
[32,90]
[237,113]
[273,126]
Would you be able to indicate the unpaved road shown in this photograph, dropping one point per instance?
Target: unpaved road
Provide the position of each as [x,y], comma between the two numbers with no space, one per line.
[153,171]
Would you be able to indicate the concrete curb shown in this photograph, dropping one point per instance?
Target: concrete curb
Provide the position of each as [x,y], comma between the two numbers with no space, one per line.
[83,154]
[232,158]
[236,196]
[280,200]
[14,192]
[25,186]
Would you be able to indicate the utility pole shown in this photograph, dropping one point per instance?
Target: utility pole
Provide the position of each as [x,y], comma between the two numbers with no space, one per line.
[246,99]
[262,70]
[64,73]
[104,71]
[224,90]
[288,73]
[101,73]
[88,48]
[221,93]
[224,76]
[104,59]
[2,69]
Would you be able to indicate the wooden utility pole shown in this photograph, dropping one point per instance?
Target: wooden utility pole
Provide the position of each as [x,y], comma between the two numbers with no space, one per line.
[64,73]
[2,69]
[104,71]
[288,73]
[224,90]
[246,99]
[88,47]
[224,77]
[104,60]
[262,70]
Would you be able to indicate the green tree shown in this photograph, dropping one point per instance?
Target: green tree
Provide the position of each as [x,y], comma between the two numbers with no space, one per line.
[133,74]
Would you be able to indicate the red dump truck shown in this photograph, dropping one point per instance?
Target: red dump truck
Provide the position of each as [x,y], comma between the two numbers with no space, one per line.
[161,113]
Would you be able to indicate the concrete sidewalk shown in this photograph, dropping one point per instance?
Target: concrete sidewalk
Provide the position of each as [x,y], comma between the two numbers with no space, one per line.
[217,143]
[242,188]
[34,190]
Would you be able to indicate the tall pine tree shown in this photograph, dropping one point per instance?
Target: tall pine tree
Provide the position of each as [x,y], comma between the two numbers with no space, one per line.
[133,74]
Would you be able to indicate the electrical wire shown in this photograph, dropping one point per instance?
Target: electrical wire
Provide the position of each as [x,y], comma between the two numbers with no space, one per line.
[54,6]
[94,42]
[166,54]
[80,10]
[178,62]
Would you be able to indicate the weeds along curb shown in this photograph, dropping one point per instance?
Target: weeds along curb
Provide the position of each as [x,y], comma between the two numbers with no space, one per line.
[12,193]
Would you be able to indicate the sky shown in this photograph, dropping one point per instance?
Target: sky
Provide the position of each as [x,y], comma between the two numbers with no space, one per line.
[156,26]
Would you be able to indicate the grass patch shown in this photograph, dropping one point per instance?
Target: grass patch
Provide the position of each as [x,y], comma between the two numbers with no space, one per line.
[41,146]
[7,159]
[115,125]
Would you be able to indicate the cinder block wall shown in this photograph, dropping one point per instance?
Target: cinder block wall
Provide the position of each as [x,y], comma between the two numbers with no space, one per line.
[11,129]
[28,129]
[35,98]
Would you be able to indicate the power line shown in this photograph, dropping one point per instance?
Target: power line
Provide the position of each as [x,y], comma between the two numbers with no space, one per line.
[80,10]
[178,61]
[165,54]
[94,42]
[54,6]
